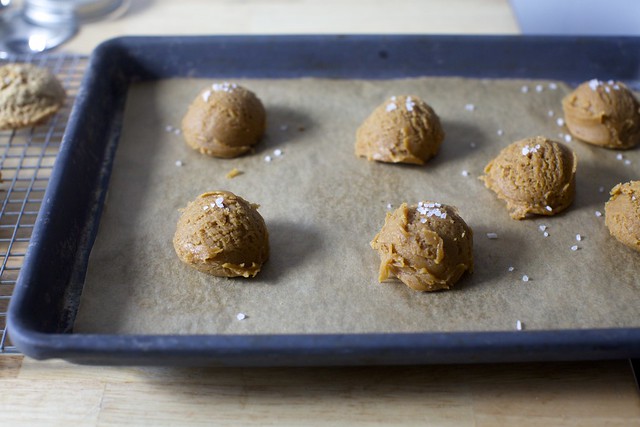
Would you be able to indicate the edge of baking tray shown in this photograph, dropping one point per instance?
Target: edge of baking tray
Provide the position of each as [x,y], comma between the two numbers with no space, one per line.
[46,296]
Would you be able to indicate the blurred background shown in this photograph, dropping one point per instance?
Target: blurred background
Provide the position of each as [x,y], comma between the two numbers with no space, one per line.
[79,25]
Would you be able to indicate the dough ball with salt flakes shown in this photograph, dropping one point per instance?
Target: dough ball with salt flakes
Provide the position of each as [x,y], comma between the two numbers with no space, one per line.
[534,176]
[622,214]
[222,234]
[603,113]
[404,129]
[427,246]
[225,120]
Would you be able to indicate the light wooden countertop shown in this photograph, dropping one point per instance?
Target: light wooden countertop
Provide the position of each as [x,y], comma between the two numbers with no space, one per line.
[532,394]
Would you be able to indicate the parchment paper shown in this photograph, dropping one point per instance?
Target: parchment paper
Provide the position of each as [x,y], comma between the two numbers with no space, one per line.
[323,205]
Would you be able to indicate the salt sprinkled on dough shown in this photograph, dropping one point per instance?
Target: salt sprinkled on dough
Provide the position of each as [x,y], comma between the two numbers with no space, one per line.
[389,206]
[224,87]
[205,207]
[525,278]
[594,83]
[220,202]
[241,316]
[492,236]
[206,95]
[518,325]
[560,121]
[469,107]
[409,104]
[391,106]
[549,208]
[430,209]
[526,150]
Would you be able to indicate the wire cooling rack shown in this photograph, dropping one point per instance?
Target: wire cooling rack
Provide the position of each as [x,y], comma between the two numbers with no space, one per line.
[27,157]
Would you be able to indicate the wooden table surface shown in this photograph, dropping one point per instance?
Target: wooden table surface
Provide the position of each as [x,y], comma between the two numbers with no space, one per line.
[533,394]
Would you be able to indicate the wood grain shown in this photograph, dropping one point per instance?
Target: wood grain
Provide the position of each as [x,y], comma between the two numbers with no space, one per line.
[532,394]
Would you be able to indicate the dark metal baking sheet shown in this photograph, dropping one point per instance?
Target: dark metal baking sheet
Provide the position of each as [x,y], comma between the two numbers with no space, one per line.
[47,294]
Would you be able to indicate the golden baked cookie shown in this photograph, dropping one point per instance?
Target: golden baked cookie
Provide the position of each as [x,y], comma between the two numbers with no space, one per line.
[404,129]
[534,176]
[427,246]
[28,95]
[603,113]
[224,120]
[622,214]
[222,234]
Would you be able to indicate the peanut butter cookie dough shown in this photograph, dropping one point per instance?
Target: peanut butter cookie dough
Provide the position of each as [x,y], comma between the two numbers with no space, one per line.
[222,234]
[224,120]
[603,113]
[534,176]
[28,95]
[622,214]
[427,246]
[404,129]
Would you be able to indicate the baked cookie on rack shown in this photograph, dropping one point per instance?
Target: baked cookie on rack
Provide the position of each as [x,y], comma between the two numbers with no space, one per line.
[28,95]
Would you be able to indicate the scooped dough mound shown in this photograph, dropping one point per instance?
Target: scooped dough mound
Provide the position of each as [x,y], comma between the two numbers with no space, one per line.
[603,113]
[622,214]
[222,234]
[404,129]
[224,120]
[427,246]
[534,176]
[28,95]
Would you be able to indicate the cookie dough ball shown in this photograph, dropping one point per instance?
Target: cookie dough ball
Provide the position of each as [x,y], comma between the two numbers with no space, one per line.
[222,234]
[534,176]
[427,246]
[28,95]
[603,113]
[225,120]
[622,214]
[404,129]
